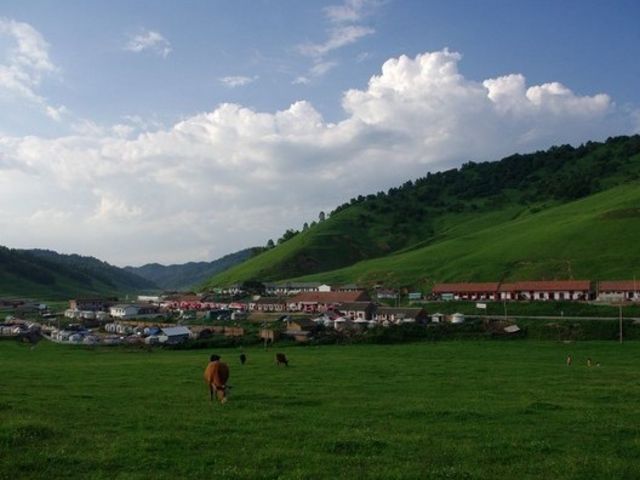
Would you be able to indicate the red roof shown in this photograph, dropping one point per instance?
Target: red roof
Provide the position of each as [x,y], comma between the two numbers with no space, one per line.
[619,286]
[491,287]
[330,297]
[547,286]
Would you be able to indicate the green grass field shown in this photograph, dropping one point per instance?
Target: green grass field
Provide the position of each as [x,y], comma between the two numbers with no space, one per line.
[449,410]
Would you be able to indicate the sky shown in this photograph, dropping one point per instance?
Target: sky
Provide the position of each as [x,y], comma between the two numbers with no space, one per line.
[145,131]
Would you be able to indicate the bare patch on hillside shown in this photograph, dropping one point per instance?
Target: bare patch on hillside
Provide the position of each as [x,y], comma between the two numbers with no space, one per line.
[621,213]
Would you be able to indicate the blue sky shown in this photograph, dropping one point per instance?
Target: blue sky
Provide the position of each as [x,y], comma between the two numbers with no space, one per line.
[98,95]
[590,46]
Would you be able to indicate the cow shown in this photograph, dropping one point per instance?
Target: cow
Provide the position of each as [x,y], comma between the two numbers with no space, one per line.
[31,337]
[281,358]
[216,375]
[243,358]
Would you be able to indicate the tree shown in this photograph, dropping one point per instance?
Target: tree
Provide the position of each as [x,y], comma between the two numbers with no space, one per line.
[253,287]
[305,227]
[288,235]
[321,217]
[270,244]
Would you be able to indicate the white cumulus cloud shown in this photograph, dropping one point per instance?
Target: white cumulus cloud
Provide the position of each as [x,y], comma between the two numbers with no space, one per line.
[234,177]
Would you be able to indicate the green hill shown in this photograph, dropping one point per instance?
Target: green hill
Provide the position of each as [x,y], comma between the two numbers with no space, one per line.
[486,221]
[187,275]
[593,238]
[50,275]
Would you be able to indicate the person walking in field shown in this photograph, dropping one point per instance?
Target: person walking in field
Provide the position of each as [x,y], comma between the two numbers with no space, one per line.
[569,360]
[589,362]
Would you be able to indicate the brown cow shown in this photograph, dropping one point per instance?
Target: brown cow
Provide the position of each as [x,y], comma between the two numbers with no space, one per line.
[281,358]
[216,375]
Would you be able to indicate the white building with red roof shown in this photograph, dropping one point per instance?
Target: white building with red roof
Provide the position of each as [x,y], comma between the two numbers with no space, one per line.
[569,290]
[466,291]
[312,302]
[617,291]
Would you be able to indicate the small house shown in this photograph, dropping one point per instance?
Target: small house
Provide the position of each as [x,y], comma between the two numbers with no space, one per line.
[385,294]
[357,310]
[401,315]
[92,303]
[269,304]
[312,302]
[174,335]
[300,329]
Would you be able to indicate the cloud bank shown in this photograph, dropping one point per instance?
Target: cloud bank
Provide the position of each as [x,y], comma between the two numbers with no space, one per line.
[234,177]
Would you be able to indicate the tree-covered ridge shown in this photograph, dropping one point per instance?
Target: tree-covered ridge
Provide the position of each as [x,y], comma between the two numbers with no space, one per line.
[421,212]
[561,173]
[52,275]
[93,269]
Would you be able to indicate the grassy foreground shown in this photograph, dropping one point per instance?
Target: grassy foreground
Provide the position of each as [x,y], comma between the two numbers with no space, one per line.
[449,410]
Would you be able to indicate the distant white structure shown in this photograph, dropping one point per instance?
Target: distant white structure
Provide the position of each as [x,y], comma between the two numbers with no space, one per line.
[134,311]
[149,298]
[457,318]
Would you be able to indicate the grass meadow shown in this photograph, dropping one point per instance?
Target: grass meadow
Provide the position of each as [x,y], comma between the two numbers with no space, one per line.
[446,410]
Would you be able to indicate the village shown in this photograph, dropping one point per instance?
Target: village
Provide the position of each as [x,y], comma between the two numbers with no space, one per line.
[291,310]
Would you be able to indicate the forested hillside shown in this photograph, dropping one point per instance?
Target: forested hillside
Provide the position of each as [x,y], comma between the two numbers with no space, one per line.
[433,208]
[594,238]
[52,275]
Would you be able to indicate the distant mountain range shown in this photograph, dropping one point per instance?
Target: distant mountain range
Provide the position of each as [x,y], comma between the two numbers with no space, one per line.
[557,214]
[188,275]
[50,275]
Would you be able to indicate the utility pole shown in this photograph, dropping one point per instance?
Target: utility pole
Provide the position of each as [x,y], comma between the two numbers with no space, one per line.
[620,309]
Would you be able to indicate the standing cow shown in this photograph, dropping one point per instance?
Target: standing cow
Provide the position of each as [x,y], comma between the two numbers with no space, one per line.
[281,358]
[216,375]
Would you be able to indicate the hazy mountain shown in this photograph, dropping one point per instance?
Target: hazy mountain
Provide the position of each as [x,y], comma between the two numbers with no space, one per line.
[187,275]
